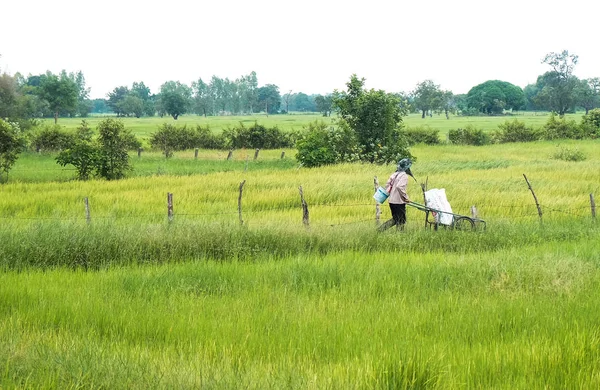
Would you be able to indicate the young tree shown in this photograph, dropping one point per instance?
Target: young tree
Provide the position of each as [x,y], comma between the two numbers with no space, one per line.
[11,144]
[427,97]
[83,154]
[113,157]
[376,119]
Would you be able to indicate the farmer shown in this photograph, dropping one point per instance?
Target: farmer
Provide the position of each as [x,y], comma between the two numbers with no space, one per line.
[396,187]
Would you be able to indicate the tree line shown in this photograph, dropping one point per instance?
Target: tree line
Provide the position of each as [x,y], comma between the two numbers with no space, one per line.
[66,95]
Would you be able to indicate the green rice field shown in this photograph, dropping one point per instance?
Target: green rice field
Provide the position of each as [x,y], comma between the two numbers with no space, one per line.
[132,299]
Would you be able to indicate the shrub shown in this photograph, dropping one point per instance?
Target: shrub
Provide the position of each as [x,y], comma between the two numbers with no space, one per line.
[52,138]
[561,128]
[515,131]
[470,135]
[257,136]
[206,139]
[590,124]
[113,158]
[568,154]
[11,144]
[171,138]
[422,135]
[320,144]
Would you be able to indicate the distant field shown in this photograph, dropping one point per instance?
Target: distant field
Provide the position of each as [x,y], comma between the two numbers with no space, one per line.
[144,127]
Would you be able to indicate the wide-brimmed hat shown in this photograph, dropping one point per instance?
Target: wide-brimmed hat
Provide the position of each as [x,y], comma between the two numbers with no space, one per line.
[404,165]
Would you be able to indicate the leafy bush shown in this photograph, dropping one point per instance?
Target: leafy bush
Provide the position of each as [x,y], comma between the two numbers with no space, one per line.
[515,131]
[590,124]
[561,128]
[257,136]
[470,135]
[113,160]
[422,135]
[206,139]
[568,154]
[11,144]
[320,144]
[52,138]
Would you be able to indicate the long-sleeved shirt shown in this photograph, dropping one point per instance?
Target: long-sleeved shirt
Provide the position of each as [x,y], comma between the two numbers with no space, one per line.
[396,186]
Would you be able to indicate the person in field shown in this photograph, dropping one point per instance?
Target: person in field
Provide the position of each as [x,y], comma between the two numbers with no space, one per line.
[396,187]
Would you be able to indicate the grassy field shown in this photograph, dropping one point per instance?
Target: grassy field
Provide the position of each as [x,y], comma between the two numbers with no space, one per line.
[133,301]
[144,127]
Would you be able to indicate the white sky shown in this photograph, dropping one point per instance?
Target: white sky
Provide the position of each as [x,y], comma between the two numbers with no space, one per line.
[310,46]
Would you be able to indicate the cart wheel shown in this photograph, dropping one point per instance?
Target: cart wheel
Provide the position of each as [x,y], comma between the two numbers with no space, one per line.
[464,223]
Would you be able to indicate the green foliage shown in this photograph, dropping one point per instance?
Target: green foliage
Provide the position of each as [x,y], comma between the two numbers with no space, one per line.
[257,136]
[320,144]
[561,128]
[568,154]
[61,93]
[590,124]
[515,131]
[375,117]
[494,96]
[170,138]
[52,138]
[427,97]
[206,139]
[470,135]
[113,157]
[11,144]
[175,98]
[422,135]
[83,155]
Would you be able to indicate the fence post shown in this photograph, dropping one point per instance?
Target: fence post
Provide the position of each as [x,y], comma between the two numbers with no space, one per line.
[256,153]
[196,154]
[305,219]
[424,189]
[230,154]
[534,198]
[246,166]
[473,211]
[170,206]
[240,202]
[593,206]
[139,152]
[88,217]
[377,208]
[283,154]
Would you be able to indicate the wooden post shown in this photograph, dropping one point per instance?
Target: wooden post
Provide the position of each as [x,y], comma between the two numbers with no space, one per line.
[377,208]
[230,154]
[423,189]
[240,202]
[196,154]
[473,211]
[283,155]
[305,219]
[593,206]
[170,206]
[534,198]
[256,154]
[88,217]
[139,152]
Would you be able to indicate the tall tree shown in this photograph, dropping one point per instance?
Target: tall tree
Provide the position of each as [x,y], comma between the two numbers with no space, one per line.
[587,92]
[175,98]
[323,104]
[116,98]
[427,97]
[202,98]
[494,96]
[269,98]
[61,93]
[557,87]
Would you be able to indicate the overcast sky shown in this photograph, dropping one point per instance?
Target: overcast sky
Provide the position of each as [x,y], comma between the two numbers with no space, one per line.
[310,46]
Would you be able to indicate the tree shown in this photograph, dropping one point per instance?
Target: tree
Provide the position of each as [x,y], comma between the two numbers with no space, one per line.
[323,104]
[175,98]
[83,154]
[115,99]
[303,102]
[11,144]
[447,103]
[427,97]
[248,92]
[113,160]
[202,98]
[376,118]
[494,96]
[61,93]
[132,104]
[587,93]
[269,98]
[558,85]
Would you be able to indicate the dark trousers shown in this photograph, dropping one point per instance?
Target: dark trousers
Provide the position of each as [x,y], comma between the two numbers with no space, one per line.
[398,217]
